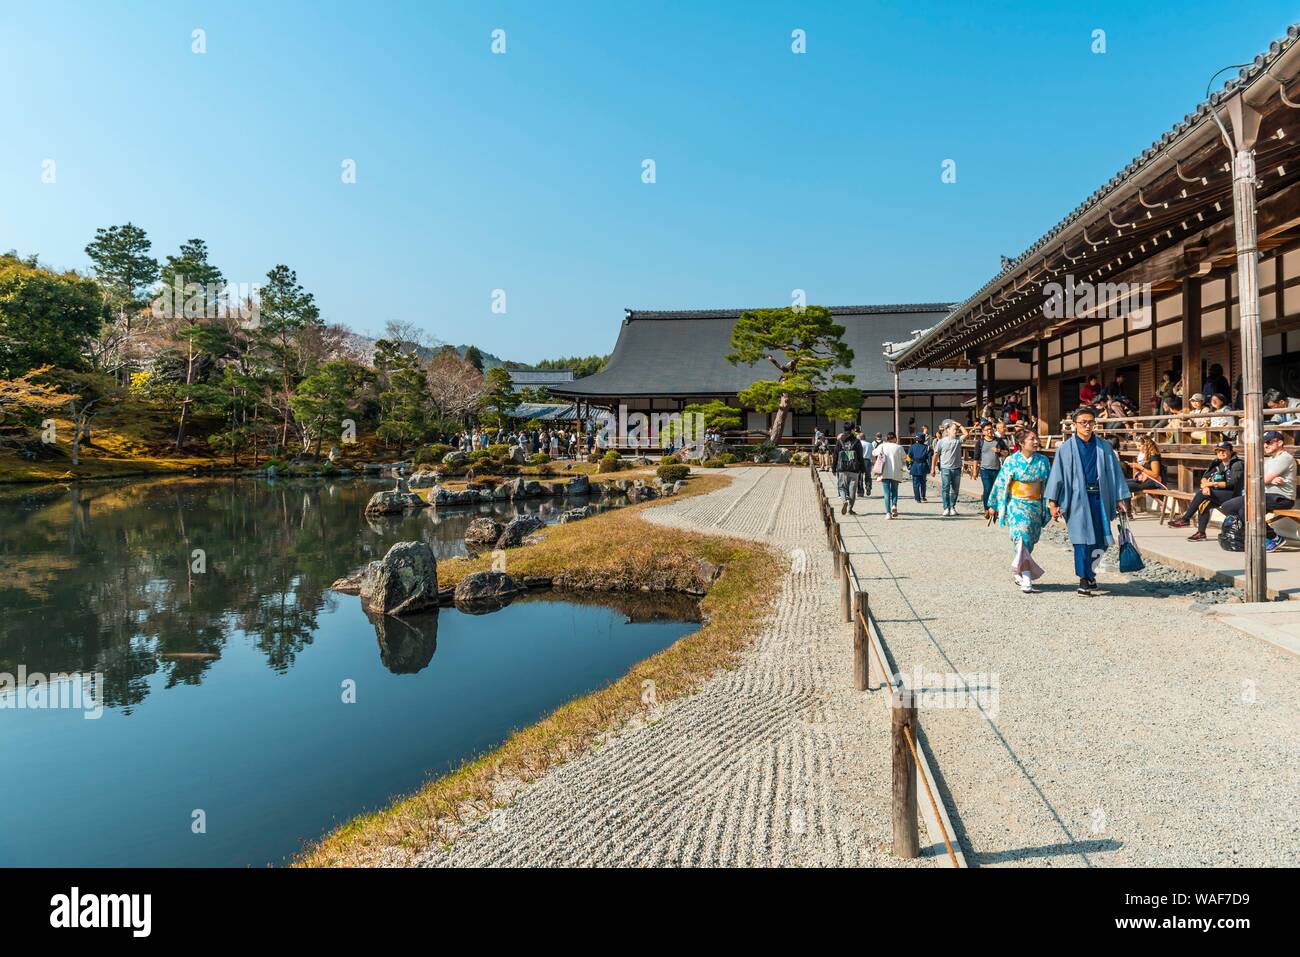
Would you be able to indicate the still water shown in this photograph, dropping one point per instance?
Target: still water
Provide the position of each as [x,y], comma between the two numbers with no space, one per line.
[224,688]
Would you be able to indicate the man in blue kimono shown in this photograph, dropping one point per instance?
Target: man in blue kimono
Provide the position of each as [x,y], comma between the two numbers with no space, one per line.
[1088,487]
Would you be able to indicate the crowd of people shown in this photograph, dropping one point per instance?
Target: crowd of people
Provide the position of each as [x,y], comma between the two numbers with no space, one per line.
[558,443]
[1085,484]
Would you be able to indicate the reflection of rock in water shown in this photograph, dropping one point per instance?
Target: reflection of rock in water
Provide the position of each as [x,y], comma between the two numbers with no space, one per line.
[406,645]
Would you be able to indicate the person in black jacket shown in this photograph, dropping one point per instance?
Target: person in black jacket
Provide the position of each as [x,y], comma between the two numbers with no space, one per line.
[848,464]
[1222,481]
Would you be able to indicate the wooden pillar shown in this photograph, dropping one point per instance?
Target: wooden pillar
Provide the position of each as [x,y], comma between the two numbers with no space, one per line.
[897,431]
[1245,123]
[1191,357]
[861,648]
[1041,403]
[991,379]
[979,393]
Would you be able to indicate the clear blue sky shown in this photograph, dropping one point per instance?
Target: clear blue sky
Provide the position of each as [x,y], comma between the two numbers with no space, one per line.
[522,171]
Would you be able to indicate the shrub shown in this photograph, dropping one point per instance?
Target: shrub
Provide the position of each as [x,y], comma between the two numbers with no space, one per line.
[480,455]
[445,470]
[538,458]
[498,451]
[729,458]
[430,454]
[673,473]
[610,462]
[593,458]
[715,464]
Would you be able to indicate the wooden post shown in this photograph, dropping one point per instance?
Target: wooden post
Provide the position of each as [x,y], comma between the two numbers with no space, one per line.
[991,381]
[1243,214]
[1191,358]
[907,842]
[846,606]
[896,407]
[1041,404]
[861,643]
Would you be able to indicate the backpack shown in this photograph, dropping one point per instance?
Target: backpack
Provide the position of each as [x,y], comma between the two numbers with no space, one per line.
[1232,537]
[847,460]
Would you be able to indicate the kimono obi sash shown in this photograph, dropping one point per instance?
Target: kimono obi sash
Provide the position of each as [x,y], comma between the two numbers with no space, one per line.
[1033,490]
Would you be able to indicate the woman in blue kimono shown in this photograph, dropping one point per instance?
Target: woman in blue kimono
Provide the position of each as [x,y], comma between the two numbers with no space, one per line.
[1017,497]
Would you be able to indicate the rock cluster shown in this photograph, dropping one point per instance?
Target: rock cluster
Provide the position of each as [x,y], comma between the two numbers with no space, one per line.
[393,501]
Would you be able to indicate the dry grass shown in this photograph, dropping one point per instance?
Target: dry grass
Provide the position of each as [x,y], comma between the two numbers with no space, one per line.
[617,546]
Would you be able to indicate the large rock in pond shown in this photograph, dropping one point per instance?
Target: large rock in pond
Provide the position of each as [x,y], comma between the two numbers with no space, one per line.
[533,489]
[403,582]
[455,458]
[424,479]
[580,485]
[406,647]
[392,502]
[519,529]
[484,591]
[483,532]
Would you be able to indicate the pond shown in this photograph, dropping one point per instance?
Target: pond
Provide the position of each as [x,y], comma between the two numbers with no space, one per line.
[247,708]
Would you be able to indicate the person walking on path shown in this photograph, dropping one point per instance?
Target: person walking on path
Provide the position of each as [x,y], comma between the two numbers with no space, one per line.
[989,453]
[892,464]
[1017,501]
[1279,484]
[919,454]
[864,477]
[1222,482]
[946,458]
[849,465]
[1088,488]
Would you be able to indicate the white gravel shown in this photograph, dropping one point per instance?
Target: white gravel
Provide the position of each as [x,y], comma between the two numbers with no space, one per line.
[778,762]
[1129,728]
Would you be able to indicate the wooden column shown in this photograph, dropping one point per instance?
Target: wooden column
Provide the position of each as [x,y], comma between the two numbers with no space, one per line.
[1041,403]
[979,392]
[991,378]
[1191,357]
[1245,123]
[897,431]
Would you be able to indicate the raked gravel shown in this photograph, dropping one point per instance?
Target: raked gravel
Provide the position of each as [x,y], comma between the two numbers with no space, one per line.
[1127,728]
[777,762]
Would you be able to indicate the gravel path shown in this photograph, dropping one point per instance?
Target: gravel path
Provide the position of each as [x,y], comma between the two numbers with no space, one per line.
[778,762]
[1123,729]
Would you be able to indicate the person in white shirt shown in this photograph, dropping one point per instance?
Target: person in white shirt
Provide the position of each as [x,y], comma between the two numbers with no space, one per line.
[893,466]
[1279,484]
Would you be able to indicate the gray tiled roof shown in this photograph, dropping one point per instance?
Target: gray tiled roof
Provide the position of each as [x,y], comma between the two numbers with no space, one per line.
[683,353]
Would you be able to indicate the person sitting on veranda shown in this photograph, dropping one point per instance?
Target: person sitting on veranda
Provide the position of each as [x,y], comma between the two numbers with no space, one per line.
[1222,482]
[1148,469]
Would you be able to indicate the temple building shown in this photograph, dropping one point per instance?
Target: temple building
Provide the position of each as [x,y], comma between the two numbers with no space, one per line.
[666,360]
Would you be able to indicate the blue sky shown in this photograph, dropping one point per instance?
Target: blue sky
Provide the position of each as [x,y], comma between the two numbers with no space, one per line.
[522,171]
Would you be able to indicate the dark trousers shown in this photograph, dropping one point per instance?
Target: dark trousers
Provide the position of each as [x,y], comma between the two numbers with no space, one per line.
[918,487]
[1084,554]
[1236,506]
[988,477]
[1216,499]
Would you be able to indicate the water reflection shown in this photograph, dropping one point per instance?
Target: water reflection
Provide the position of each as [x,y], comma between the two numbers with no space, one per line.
[137,580]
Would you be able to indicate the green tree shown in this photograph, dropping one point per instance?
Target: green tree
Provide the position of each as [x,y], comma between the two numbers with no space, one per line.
[498,394]
[474,357]
[192,284]
[46,318]
[804,345]
[123,266]
[326,398]
[286,309]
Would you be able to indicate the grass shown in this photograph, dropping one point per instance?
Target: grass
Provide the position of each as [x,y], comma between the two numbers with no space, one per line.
[734,608]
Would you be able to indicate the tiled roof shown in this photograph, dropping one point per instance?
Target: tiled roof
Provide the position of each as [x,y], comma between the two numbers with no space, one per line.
[684,353]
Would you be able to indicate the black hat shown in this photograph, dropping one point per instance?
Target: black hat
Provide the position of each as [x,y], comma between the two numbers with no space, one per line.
[1272,435]
[1224,445]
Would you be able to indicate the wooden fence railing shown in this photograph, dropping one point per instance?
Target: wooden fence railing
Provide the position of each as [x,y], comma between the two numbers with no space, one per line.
[906,760]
